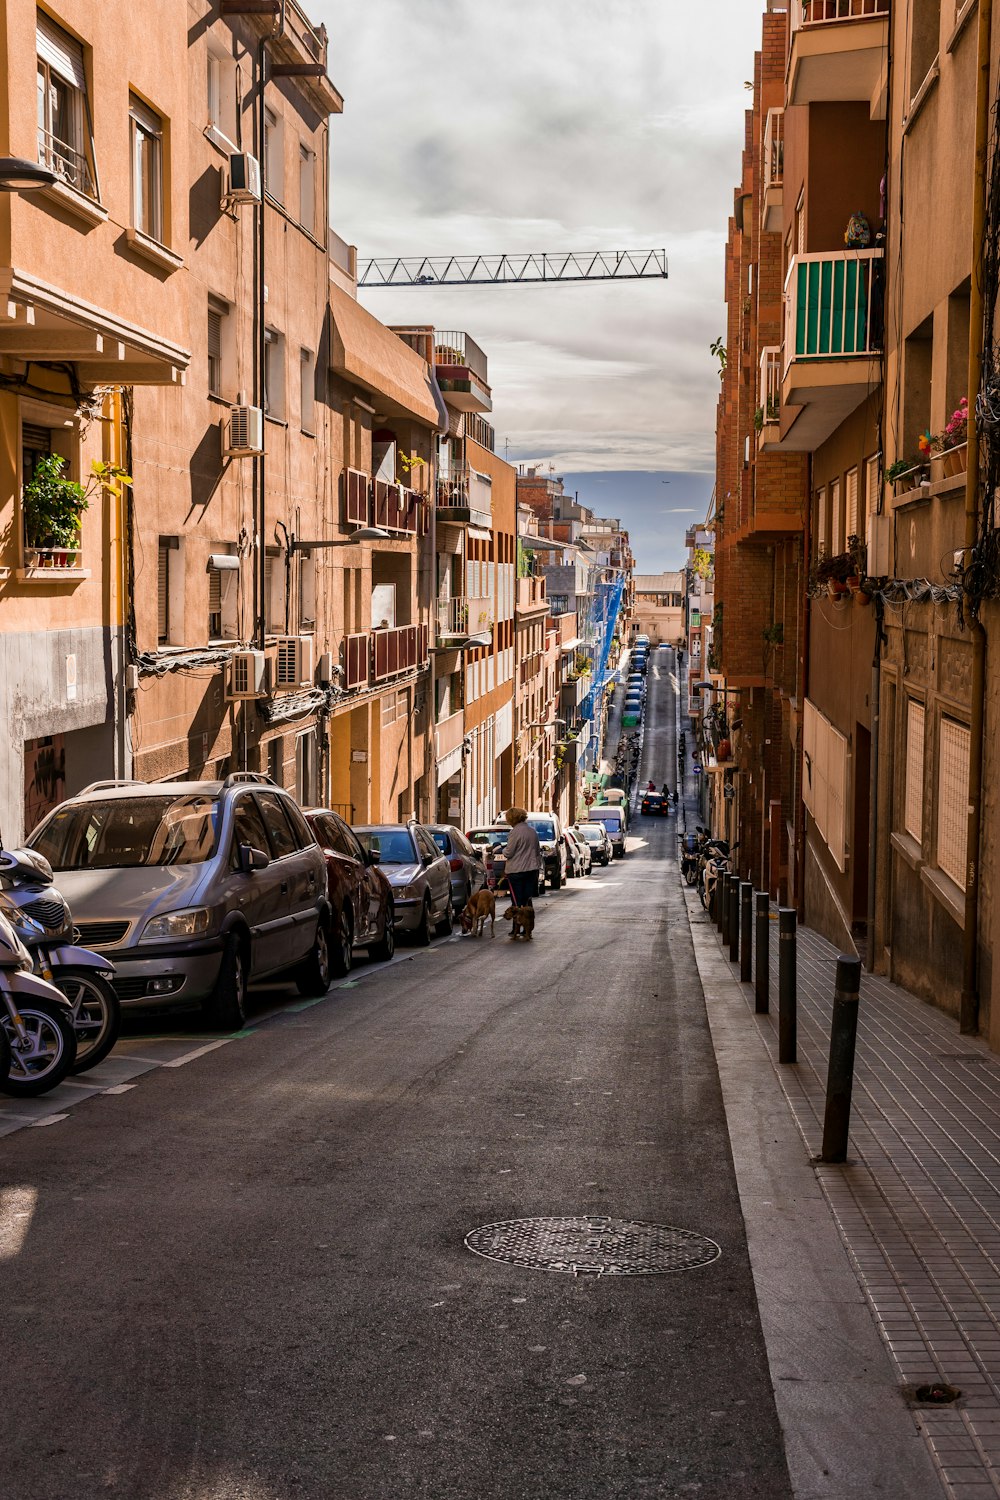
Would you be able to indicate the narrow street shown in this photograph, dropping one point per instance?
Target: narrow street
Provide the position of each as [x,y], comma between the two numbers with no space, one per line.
[250,1273]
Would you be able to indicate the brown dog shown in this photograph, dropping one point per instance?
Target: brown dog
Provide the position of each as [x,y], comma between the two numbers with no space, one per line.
[474,914]
[522,921]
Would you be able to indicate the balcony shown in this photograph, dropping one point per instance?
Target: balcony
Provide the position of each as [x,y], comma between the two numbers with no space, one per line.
[464,616]
[396,508]
[772,173]
[769,399]
[834,308]
[531,596]
[465,497]
[356,664]
[838,52]
[400,650]
[461,371]
[573,691]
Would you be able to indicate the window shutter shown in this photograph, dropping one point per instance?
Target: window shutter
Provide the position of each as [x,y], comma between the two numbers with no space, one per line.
[144,116]
[61,51]
[214,591]
[163,594]
[953,799]
[852,502]
[214,333]
[913,804]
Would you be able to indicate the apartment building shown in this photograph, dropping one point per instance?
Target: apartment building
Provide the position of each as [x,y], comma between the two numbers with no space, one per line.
[659,607]
[699,597]
[90,311]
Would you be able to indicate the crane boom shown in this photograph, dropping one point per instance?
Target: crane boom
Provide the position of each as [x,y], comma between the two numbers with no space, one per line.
[495,270]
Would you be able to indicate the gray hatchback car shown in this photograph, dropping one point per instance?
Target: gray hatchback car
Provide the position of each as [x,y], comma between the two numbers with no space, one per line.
[193,888]
[418,873]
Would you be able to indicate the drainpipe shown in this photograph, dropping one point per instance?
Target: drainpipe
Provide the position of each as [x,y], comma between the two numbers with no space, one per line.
[798,898]
[969,1012]
[876,706]
[260,555]
[442,429]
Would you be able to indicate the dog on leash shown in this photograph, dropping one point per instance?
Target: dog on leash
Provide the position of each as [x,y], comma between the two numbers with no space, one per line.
[522,921]
[479,908]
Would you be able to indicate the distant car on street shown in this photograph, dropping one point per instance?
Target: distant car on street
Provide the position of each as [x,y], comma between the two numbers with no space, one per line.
[579,856]
[491,841]
[468,873]
[418,873]
[595,836]
[613,819]
[360,893]
[655,804]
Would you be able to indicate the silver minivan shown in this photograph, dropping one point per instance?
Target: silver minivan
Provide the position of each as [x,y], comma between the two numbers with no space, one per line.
[193,888]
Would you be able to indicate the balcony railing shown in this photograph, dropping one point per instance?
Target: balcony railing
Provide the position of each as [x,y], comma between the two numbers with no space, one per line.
[355,660]
[770,383]
[70,165]
[466,614]
[461,351]
[399,650]
[396,508]
[834,306]
[774,148]
[820,12]
[464,488]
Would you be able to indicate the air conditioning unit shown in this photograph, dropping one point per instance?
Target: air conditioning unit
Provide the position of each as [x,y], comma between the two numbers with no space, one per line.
[243,433]
[242,182]
[293,660]
[248,675]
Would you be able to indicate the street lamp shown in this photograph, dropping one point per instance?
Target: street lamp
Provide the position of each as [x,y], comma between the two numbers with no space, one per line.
[364,534]
[18,175]
[696,687]
[545,724]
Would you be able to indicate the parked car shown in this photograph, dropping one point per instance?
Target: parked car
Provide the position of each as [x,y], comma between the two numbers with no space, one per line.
[193,888]
[578,853]
[613,819]
[468,873]
[491,842]
[654,804]
[595,836]
[549,830]
[418,873]
[360,893]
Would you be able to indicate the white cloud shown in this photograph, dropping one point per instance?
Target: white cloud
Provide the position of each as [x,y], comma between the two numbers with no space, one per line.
[577,124]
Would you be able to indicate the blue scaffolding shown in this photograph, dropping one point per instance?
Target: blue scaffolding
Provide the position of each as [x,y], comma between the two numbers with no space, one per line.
[604,611]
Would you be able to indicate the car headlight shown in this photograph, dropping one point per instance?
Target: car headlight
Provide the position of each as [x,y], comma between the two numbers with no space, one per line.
[547,846]
[191,921]
[409,892]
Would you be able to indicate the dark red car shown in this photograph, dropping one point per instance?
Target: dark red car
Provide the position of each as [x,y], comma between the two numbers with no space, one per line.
[360,895]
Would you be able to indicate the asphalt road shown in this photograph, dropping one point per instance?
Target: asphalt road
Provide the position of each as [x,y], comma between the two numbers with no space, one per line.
[245,1279]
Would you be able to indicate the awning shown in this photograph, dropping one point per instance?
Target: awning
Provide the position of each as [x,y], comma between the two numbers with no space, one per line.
[365,352]
[478,535]
[570,645]
[449,765]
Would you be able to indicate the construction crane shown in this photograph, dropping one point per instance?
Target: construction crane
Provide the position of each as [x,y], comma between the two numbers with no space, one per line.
[495,270]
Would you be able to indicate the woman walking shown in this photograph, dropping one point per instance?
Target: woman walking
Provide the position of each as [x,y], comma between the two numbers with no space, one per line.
[524,856]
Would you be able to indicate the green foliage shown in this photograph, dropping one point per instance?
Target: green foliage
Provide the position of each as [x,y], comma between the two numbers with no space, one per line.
[718,348]
[53,506]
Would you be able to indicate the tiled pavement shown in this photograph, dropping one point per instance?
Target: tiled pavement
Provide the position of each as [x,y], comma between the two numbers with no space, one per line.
[918,1203]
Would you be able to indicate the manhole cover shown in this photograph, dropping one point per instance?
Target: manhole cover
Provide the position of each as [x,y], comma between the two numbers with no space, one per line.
[593,1246]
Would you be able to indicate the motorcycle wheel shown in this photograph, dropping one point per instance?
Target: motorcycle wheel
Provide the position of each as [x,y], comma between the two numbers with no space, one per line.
[97,1016]
[690,876]
[49,1054]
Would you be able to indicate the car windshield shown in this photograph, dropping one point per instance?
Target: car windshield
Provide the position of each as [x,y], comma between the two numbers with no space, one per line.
[543,827]
[591,834]
[127,832]
[490,836]
[393,846]
[612,818]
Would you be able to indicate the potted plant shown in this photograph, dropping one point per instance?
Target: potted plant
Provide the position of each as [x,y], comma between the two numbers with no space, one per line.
[52,507]
[833,572]
[904,474]
[953,444]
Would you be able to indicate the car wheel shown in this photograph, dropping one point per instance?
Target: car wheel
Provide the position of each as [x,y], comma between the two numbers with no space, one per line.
[422,936]
[342,949]
[313,976]
[446,926]
[383,950]
[225,1009]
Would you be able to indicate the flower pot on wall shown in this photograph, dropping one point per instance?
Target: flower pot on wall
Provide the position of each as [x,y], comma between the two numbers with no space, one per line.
[955,460]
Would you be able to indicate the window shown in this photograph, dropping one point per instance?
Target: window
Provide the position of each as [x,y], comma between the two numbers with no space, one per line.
[800,225]
[274,593]
[274,373]
[824,780]
[307,390]
[822,529]
[307,189]
[146,130]
[276,760]
[913,791]
[223,592]
[167,580]
[305,768]
[220,97]
[924,41]
[36,443]
[248,828]
[836,519]
[872,474]
[218,311]
[65,135]
[953,799]
[274,161]
[307,591]
[283,840]
[851,501]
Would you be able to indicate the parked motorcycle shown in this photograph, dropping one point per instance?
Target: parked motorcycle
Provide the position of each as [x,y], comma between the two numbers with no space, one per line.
[690,850]
[43,922]
[716,861]
[36,1020]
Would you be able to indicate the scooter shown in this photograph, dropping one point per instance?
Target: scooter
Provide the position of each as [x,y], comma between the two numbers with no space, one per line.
[39,1042]
[44,924]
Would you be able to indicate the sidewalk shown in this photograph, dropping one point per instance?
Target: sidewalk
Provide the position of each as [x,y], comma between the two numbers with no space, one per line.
[918,1203]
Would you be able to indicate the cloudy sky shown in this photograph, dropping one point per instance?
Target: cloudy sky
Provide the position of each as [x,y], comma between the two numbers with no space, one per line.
[553,125]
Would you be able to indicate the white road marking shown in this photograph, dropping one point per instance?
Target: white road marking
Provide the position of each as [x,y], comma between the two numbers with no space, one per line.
[48,1120]
[17,1209]
[178,1062]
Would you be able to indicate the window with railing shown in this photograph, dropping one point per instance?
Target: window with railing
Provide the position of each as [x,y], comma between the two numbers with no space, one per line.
[834,305]
[819,12]
[65,132]
[458,349]
[770,382]
[774,148]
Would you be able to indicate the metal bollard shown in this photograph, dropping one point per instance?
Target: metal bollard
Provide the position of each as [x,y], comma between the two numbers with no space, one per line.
[840,1076]
[787,986]
[722,887]
[762,966]
[734,918]
[718,895]
[746,931]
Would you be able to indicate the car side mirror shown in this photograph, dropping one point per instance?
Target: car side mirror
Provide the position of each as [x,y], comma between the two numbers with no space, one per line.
[373,857]
[429,859]
[252,859]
